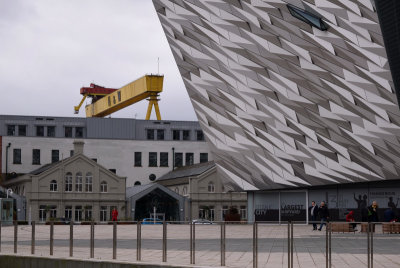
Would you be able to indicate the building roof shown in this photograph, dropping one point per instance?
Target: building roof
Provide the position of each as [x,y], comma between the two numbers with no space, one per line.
[131,191]
[43,168]
[187,171]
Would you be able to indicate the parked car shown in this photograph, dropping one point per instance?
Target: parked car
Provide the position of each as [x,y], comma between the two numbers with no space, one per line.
[202,221]
[152,221]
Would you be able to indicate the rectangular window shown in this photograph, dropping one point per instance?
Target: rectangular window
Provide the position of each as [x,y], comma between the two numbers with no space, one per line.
[200,135]
[40,131]
[152,159]
[68,132]
[109,101]
[163,159]
[78,182]
[17,156]
[103,213]
[71,152]
[53,212]
[89,183]
[138,159]
[160,134]
[78,213]
[189,159]
[178,159]
[176,135]
[203,157]
[119,96]
[150,134]
[211,214]
[55,156]
[51,131]
[36,157]
[42,213]
[68,213]
[22,130]
[224,211]
[243,212]
[79,132]
[10,130]
[186,135]
[88,213]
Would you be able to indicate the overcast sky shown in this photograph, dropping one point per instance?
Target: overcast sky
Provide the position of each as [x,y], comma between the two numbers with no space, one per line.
[49,49]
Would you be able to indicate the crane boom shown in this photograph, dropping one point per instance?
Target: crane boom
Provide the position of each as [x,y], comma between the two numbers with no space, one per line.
[148,86]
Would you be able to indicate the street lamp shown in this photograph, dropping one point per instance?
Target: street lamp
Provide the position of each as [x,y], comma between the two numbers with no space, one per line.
[9,190]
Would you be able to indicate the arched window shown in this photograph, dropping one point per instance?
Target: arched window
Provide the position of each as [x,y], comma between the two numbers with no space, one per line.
[53,186]
[68,182]
[177,190]
[103,187]
[184,192]
[78,182]
[89,182]
[211,187]
[137,183]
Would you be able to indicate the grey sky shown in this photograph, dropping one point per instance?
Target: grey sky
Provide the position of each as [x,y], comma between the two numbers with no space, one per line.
[49,49]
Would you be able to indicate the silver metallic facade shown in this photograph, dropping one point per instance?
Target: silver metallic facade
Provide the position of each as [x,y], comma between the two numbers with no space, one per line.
[282,103]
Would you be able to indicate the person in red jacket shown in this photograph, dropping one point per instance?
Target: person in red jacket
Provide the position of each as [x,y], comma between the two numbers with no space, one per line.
[350,218]
[114,215]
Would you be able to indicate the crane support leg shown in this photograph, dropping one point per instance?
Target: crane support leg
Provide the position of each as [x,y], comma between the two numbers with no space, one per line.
[76,108]
[153,100]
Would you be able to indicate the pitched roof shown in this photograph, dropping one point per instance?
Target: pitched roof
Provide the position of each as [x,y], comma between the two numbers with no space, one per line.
[131,191]
[186,171]
[44,168]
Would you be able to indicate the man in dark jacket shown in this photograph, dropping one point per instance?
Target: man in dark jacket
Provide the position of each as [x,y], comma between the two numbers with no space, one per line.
[313,212]
[323,214]
[373,212]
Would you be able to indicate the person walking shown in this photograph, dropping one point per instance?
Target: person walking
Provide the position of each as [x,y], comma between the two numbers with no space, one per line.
[350,218]
[313,209]
[114,215]
[373,212]
[323,214]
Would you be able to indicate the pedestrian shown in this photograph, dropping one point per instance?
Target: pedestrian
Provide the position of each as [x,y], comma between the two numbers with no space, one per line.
[373,212]
[313,209]
[114,215]
[350,218]
[323,214]
[389,215]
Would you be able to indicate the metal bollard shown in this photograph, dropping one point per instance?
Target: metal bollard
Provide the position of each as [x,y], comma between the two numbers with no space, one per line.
[33,238]
[0,236]
[291,244]
[368,245]
[164,243]
[194,244]
[372,244]
[326,246]
[191,242]
[115,240]
[289,247]
[92,239]
[51,237]
[255,244]
[71,238]
[138,241]
[15,236]
[330,245]
[223,234]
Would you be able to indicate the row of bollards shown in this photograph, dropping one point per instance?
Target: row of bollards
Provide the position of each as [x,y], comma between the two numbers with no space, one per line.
[290,242]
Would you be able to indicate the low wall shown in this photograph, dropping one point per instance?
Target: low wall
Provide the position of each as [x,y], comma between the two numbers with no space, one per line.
[18,261]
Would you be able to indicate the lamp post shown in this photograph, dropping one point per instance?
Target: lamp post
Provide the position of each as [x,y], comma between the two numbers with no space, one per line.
[9,190]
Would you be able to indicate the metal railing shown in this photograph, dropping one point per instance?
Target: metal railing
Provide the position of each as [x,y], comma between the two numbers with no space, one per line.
[222,228]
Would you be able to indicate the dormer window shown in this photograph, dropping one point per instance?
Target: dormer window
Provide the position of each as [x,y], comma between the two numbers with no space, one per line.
[307,17]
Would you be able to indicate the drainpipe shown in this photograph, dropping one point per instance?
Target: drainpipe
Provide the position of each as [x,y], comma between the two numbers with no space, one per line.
[173,158]
[8,146]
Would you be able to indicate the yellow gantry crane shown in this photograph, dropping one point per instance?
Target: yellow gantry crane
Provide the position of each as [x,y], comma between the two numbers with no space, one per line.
[106,101]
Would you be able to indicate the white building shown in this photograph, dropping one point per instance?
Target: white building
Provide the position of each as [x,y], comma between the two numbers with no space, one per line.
[135,149]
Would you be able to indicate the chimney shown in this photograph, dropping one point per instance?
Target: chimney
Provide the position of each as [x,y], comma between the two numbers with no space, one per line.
[78,146]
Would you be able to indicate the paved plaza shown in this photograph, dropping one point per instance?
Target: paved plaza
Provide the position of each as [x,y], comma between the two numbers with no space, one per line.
[348,250]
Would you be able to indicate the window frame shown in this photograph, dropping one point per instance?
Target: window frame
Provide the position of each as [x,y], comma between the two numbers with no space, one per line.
[79,182]
[17,156]
[53,186]
[164,160]
[68,182]
[302,15]
[153,157]
[103,187]
[89,182]
[10,130]
[137,159]
[35,156]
